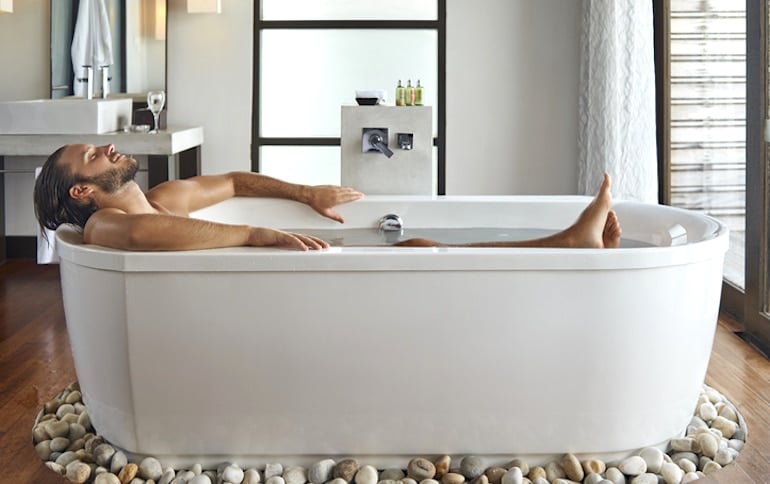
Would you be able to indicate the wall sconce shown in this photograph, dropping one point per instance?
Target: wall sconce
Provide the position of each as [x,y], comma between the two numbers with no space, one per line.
[204,6]
[160,20]
[6,6]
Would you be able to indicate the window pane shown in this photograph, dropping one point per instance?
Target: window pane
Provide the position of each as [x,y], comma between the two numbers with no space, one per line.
[349,10]
[708,117]
[308,165]
[306,75]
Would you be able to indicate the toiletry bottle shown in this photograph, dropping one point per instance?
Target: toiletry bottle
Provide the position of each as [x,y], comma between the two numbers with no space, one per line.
[418,94]
[409,93]
[400,94]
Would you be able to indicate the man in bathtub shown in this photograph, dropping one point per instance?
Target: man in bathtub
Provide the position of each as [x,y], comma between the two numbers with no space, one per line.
[93,188]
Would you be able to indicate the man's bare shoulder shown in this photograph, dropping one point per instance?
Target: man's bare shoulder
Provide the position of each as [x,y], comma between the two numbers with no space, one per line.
[102,219]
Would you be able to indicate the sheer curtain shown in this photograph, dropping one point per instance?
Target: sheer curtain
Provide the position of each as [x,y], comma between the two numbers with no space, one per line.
[617,99]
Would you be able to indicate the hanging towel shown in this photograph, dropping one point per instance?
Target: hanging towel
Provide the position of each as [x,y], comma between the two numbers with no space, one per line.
[91,42]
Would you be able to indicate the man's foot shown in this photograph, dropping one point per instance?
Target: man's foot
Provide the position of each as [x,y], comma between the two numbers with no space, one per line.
[597,226]
[612,231]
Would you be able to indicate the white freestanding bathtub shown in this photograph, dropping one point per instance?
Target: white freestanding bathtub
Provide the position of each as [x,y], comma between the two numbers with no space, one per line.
[268,355]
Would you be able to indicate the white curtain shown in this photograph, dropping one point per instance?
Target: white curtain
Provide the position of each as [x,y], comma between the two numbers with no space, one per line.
[617,99]
[91,43]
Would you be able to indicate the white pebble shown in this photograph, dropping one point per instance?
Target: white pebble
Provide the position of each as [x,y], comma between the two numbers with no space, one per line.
[150,468]
[106,478]
[711,467]
[645,478]
[615,475]
[200,479]
[233,474]
[273,469]
[366,475]
[707,411]
[593,478]
[633,466]
[723,457]
[690,477]
[251,476]
[708,444]
[671,473]
[653,457]
[277,480]
[321,471]
[513,476]
[687,465]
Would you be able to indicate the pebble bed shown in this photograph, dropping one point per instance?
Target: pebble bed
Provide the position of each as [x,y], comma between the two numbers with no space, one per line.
[68,444]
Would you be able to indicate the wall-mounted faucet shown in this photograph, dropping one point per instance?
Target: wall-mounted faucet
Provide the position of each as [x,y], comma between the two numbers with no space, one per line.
[376,139]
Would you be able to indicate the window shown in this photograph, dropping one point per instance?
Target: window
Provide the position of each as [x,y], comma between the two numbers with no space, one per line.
[713,105]
[311,56]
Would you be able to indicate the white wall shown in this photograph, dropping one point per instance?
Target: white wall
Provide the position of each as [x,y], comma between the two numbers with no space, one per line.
[512,90]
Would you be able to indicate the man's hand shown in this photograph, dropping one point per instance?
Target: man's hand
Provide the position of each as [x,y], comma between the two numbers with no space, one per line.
[322,198]
[265,237]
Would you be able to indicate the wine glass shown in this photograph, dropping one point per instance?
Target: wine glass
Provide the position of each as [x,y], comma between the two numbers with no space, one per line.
[155,102]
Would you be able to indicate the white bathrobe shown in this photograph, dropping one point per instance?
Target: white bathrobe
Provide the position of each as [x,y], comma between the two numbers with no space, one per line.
[91,43]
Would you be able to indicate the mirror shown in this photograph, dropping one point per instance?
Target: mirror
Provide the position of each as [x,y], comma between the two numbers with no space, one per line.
[138,30]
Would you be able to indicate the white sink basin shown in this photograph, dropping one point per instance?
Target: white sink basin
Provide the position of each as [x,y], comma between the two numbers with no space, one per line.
[65,116]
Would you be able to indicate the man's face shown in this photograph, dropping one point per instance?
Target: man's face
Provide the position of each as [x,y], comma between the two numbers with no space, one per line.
[101,165]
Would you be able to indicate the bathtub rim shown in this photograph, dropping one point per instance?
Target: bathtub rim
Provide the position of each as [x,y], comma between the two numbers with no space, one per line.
[239,259]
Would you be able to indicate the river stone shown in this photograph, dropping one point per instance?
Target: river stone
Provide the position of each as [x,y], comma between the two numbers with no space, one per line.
[654,457]
[392,474]
[428,481]
[707,411]
[118,461]
[687,465]
[407,480]
[537,471]
[106,478]
[729,413]
[321,471]
[200,479]
[64,409]
[420,468]
[85,420]
[150,468]
[723,457]
[452,478]
[471,466]
[594,466]
[708,444]
[52,405]
[57,429]
[645,478]
[513,476]
[59,469]
[540,480]
[336,480]
[78,472]
[684,444]
[233,474]
[167,477]
[520,463]
[671,473]
[251,476]
[346,469]
[711,467]
[554,471]
[43,449]
[442,466]
[366,475]
[65,458]
[59,444]
[39,434]
[572,467]
[593,478]
[280,480]
[73,398]
[614,475]
[93,443]
[273,469]
[633,466]
[76,431]
[295,475]
[495,474]
[727,427]
[103,454]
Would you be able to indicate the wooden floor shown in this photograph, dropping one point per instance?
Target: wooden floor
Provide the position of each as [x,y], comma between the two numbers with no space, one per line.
[35,363]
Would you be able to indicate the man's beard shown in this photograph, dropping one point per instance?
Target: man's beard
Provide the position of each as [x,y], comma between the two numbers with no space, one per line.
[112,180]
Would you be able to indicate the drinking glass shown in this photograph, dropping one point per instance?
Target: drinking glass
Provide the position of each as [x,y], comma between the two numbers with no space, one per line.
[155,102]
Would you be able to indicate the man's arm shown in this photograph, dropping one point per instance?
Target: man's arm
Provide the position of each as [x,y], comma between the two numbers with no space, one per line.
[117,229]
[184,196]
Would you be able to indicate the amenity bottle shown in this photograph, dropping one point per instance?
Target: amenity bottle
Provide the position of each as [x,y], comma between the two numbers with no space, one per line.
[400,95]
